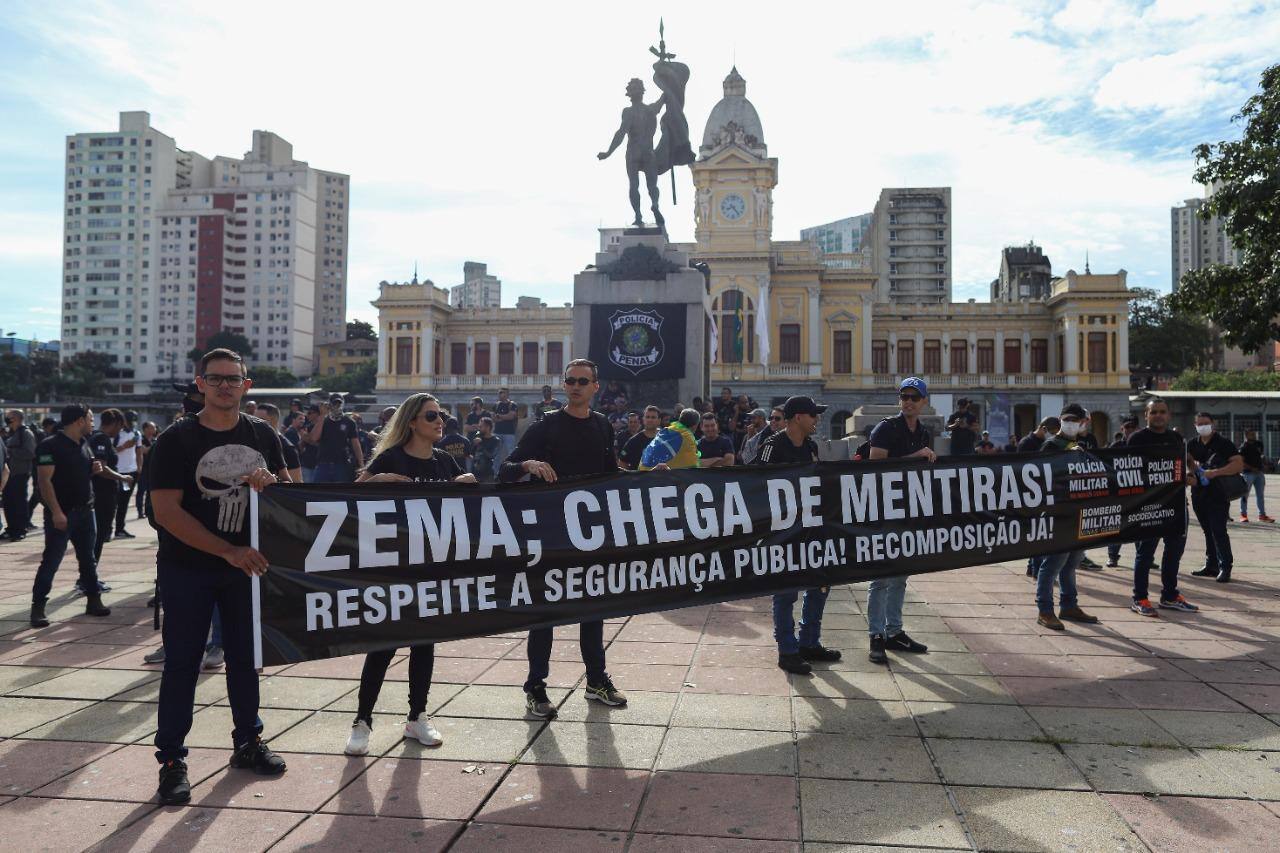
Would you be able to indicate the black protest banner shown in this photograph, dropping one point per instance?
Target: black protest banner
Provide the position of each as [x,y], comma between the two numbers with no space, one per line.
[355,568]
[638,341]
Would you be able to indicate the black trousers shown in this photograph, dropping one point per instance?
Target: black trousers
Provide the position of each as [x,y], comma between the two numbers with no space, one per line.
[105,495]
[422,660]
[1212,512]
[122,504]
[16,515]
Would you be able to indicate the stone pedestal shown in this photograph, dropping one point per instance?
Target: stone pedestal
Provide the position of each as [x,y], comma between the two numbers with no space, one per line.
[857,427]
[643,272]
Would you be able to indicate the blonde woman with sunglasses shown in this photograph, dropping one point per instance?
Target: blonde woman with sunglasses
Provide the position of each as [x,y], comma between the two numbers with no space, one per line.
[406,453]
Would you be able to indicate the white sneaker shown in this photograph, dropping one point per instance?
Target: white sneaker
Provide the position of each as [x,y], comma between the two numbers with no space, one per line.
[422,731]
[358,740]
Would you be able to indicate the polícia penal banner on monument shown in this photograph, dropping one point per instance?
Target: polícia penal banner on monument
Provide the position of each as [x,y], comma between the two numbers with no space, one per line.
[638,341]
[356,568]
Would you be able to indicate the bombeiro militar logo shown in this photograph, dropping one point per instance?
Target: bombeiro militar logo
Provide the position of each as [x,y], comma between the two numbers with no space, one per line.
[635,339]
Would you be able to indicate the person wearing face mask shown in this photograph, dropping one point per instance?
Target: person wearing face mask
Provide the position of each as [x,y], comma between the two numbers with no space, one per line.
[1213,455]
[1062,567]
[333,434]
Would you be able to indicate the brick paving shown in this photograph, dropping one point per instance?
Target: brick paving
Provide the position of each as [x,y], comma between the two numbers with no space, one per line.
[1134,734]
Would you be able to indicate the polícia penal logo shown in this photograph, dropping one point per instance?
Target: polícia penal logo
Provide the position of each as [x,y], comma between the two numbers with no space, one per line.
[635,339]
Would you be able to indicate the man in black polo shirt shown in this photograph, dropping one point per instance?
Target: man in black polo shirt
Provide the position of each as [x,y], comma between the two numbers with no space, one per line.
[1214,455]
[506,416]
[901,437]
[1158,434]
[794,443]
[1255,475]
[1127,428]
[964,429]
[336,436]
[106,480]
[633,449]
[64,467]
[571,442]
[1035,439]
[714,449]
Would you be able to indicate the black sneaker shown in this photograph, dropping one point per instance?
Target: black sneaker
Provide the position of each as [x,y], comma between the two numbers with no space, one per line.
[819,653]
[1224,576]
[175,788]
[1205,572]
[537,703]
[877,654]
[900,642]
[256,757]
[795,664]
[607,694]
[124,534]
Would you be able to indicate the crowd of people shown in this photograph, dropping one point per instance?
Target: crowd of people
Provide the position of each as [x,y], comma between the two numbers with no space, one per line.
[191,482]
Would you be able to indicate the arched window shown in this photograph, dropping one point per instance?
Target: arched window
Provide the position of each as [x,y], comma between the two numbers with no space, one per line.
[735,315]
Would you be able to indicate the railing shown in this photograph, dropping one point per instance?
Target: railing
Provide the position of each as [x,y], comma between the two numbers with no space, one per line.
[975,380]
[467,381]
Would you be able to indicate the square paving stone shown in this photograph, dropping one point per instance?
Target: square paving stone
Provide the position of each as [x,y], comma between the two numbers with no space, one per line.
[494,702]
[996,722]
[1006,763]
[197,830]
[359,834]
[1256,773]
[1009,819]
[1184,695]
[1230,671]
[693,844]
[643,708]
[718,710]
[64,824]
[417,787]
[393,699]
[1211,729]
[849,685]
[1192,824]
[129,774]
[879,812]
[668,654]
[502,838]
[105,722]
[511,673]
[308,694]
[743,681]
[89,684]
[17,714]
[882,759]
[467,739]
[210,687]
[1263,698]
[28,764]
[728,751]
[596,745]
[722,805]
[1141,770]
[936,687]
[865,717]
[211,727]
[309,783]
[1067,692]
[570,797]
[17,679]
[941,663]
[1116,726]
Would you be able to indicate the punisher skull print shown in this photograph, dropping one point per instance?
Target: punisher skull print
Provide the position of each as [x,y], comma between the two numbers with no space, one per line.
[220,476]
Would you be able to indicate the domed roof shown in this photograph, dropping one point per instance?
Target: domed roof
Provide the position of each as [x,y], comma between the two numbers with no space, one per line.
[734,118]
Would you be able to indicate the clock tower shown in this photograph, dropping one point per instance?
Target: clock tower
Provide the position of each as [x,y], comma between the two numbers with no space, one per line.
[734,178]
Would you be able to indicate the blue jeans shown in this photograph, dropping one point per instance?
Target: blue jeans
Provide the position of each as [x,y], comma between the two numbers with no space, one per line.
[884,606]
[333,472]
[82,533]
[215,632]
[1169,562]
[508,447]
[308,475]
[784,626]
[1256,480]
[1062,568]
[1113,552]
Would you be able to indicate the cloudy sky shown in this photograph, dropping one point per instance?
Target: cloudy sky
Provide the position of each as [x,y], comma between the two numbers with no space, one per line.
[470,132]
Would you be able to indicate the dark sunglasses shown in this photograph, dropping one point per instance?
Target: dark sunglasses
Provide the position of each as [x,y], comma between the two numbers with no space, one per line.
[581,380]
[431,417]
[914,398]
[776,418]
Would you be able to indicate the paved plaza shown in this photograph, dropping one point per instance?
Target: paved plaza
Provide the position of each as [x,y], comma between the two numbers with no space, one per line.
[1134,734]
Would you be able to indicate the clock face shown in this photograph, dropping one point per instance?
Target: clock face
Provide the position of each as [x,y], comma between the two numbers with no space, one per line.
[732,207]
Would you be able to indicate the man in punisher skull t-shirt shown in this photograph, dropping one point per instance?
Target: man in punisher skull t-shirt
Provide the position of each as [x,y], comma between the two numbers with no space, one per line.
[202,470]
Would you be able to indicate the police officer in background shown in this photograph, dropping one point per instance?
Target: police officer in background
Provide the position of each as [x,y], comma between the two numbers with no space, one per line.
[107,481]
[1214,455]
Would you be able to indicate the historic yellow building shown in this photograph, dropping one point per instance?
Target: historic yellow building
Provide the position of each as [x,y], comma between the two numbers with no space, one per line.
[341,356]
[791,320]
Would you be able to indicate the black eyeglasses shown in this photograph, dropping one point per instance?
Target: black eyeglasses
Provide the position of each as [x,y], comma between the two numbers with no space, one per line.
[580,380]
[776,418]
[430,416]
[914,398]
[231,381]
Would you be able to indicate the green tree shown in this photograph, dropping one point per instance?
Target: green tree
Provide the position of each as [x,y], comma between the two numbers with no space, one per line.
[228,340]
[84,375]
[359,380]
[1163,339]
[1243,299]
[359,329]
[273,377]
[1228,380]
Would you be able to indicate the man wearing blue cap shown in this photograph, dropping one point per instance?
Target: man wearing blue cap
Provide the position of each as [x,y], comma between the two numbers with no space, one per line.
[900,437]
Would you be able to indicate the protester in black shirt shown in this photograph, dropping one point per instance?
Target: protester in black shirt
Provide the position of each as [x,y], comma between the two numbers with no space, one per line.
[64,468]
[1034,440]
[1158,434]
[633,449]
[407,452]
[338,441]
[1127,428]
[1213,456]
[106,480]
[624,435]
[506,417]
[294,414]
[901,437]
[963,425]
[472,422]
[572,442]
[455,443]
[148,432]
[546,405]
[308,451]
[714,449]
[270,413]
[1255,477]
[204,467]
[794,443]
[20,452]
[486,452]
